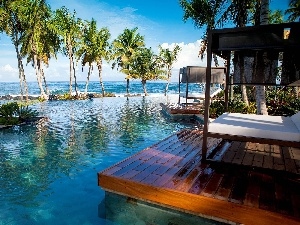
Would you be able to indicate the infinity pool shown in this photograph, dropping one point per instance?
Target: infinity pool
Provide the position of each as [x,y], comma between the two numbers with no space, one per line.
[48,171]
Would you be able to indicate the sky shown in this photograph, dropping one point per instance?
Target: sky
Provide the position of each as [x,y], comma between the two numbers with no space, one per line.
[159,21]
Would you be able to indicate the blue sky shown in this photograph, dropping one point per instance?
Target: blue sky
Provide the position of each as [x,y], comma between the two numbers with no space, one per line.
[159,21]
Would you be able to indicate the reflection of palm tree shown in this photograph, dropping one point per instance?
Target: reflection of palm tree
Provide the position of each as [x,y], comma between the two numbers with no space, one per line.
[134,121]
[95,132]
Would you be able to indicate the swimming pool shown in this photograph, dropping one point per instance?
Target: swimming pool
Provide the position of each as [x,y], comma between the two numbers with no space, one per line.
[48,172]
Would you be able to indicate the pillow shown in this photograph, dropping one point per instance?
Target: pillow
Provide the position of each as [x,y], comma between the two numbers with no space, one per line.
[296,119]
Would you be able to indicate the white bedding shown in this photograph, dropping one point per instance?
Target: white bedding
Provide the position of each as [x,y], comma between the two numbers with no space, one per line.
[258,126]
[193,95]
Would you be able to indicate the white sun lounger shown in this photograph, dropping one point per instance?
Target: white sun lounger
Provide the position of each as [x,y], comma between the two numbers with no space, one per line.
[200,95]
[257,128]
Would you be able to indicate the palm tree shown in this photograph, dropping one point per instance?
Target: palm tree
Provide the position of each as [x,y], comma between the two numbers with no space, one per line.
[10,23]
[145,65]
[168,57]
[38,41]
[204,13]
[124,47]
[294,10]
[69,29]
[94,48]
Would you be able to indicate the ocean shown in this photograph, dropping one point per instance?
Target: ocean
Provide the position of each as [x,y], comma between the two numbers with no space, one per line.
[116,87]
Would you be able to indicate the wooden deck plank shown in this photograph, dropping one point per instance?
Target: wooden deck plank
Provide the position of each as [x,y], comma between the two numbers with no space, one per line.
[187,183]
[253,190]
[282,197]
[267,193]
[295,197]
[202,180]
[268,162]
[212,185]
[258,160]
[248,159]
[225,187]
[239,156]
[239,188]
[228,156]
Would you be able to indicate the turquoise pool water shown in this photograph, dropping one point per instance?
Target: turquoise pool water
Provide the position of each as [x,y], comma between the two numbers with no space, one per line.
[48,171]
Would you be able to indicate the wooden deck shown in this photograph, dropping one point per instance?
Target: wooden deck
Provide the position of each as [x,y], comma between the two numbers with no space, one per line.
[171,173]
[258,156]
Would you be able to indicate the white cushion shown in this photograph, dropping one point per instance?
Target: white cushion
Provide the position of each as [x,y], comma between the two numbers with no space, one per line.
[213,92]
[258,126]
[296,119]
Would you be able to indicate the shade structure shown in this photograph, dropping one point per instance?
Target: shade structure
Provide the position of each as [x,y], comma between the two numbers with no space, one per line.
[197,74]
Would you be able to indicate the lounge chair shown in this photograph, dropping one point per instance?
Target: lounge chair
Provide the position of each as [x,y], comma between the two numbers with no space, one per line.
[278,130]
[200,96]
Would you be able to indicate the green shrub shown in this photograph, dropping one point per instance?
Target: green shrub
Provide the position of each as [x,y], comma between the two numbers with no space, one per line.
[24,113]
[217,108]
[8,110]
[13,113]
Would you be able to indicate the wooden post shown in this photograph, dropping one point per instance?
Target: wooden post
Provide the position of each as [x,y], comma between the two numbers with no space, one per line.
[227,81]
[187,85]
[207,95]
[179,86]
[231,87]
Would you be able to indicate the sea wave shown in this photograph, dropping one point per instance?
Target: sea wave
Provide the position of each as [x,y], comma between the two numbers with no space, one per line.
[116,87]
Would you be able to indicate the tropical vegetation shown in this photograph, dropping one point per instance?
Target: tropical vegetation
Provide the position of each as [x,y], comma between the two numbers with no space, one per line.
[280,101]
[13,113]
[216,14]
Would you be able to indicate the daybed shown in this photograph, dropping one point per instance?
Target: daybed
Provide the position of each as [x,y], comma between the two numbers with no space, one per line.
[257,128]
[200,96]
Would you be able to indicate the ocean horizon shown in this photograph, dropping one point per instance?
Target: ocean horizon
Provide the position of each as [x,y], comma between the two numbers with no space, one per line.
[116,87]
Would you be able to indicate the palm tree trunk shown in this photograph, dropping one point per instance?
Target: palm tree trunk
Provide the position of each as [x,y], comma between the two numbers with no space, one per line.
[38,76]
[99,65]
[260,89]
[144,87]
[71,65]
[87,80]
[168,82]
[243,87]
[43,77]
[23,84]
[75,78]
[127,86]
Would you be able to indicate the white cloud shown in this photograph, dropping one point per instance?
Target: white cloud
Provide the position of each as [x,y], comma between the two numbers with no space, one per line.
[8,73]
[8,68]
[188,56]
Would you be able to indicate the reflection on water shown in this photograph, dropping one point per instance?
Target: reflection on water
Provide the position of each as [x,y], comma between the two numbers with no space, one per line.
[51,166]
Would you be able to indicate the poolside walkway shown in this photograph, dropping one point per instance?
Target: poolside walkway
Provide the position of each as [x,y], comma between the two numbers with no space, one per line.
[170,173]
